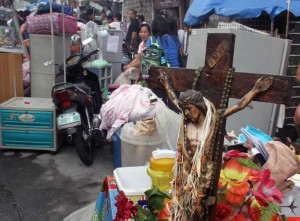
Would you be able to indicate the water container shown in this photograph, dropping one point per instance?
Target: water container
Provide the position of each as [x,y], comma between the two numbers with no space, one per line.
[137,150]
[161,168]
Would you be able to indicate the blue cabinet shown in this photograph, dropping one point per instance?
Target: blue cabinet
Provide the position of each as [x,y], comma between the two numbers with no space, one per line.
[28,123]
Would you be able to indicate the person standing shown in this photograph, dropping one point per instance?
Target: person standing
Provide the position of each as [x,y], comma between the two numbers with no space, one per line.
[168,42]
[145,32]
[107,11]
[141,19]
[116,24]
[131,38]
[75,8]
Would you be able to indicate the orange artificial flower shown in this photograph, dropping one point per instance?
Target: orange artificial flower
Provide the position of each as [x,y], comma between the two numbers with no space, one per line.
[235,178]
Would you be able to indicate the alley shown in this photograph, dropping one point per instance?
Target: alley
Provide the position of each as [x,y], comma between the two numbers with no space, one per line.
[37,185]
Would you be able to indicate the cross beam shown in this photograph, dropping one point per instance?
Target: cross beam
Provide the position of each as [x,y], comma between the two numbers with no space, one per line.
[211,84]
[219,57]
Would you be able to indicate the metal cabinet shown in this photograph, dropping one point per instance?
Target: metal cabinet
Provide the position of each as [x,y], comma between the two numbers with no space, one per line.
[51,49]
[254,53]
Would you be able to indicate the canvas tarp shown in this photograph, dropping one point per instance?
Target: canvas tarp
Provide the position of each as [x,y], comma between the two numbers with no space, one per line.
[199,10]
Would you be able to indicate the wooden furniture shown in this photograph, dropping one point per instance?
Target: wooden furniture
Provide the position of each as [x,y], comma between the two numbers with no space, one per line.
[11,78]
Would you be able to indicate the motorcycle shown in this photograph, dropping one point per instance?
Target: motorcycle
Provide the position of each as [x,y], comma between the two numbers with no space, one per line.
[78,101]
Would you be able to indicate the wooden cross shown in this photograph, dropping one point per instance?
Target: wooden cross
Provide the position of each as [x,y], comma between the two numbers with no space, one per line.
[218,59]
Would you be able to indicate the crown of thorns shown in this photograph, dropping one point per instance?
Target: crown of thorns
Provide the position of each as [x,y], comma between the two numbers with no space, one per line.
[193,97]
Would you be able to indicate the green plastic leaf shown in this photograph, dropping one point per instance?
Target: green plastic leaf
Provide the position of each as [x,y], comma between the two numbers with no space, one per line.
[156,203]
[142,214]
[157,192]
[248,163]
[269,211]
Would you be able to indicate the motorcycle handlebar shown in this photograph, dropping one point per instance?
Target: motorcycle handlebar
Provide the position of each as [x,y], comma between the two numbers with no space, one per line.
[86,57]
[93,52]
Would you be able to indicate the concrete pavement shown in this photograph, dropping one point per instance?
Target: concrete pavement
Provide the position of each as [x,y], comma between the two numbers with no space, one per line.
[36,185]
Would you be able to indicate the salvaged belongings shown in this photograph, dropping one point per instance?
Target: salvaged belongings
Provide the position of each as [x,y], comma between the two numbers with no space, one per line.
[128,103]
[195,167]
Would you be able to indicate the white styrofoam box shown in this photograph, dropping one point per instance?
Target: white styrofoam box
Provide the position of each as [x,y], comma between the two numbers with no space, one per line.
[137,150]
[132,180]
[104,75]
[29,123]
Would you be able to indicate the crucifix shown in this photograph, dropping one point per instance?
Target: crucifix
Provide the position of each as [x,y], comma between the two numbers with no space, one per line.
[213,84]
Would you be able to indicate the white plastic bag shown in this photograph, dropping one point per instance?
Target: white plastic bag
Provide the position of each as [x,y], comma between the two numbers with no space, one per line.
[168,126]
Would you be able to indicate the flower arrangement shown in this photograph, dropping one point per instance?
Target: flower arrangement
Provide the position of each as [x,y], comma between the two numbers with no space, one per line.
[157,209]
[245,192]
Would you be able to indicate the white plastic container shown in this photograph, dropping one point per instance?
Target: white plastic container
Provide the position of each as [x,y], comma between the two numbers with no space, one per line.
[137,150]
[132,181]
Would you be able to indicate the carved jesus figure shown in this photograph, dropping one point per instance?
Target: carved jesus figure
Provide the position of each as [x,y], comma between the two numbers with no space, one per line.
[194,166]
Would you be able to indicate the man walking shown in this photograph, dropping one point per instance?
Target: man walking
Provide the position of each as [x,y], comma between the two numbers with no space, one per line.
[131,39]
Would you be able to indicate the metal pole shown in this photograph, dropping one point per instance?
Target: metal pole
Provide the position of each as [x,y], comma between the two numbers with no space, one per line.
[272,27]
[287,18]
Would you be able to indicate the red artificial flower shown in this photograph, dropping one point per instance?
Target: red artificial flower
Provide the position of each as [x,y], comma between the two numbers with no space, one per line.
[238,217]
[125,207]
[235,153]
[223,212]
[266,191]
[254,211]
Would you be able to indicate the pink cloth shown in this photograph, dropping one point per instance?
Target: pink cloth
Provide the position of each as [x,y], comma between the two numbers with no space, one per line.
[127,103]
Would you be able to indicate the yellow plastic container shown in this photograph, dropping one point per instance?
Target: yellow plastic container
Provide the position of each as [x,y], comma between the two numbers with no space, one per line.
[161,173]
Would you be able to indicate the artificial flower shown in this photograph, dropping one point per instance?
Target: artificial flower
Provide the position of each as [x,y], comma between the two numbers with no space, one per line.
[238,217]
[246,191]
[156,207]
[235,179]
[223,212]
[125,207]
[266,191]
[234,154]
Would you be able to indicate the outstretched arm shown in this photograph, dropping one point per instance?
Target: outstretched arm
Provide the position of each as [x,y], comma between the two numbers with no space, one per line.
[163,78]
[262,84]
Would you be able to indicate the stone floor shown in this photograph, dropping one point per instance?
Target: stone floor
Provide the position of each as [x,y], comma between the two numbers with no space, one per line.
[36,185]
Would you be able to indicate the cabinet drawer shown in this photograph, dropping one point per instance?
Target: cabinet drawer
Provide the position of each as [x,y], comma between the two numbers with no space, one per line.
[27,138]
[26,119]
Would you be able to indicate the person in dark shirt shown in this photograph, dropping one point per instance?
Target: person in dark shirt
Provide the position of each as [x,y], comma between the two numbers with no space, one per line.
[141,19]
[131,39]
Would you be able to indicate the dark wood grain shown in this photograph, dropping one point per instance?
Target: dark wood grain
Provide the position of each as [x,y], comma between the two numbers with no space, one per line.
[211,84]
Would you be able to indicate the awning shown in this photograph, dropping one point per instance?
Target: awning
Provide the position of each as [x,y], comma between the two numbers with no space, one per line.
[237,9]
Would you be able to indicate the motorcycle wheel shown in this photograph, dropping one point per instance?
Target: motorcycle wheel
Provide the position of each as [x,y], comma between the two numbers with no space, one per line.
[83,144]
[93,82]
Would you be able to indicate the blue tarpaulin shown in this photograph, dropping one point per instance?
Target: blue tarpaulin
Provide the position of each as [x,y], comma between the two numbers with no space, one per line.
[199,10]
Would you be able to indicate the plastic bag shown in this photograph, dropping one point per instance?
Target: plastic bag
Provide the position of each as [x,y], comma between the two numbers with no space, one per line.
[168,126]
[145,126]
[131,74]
